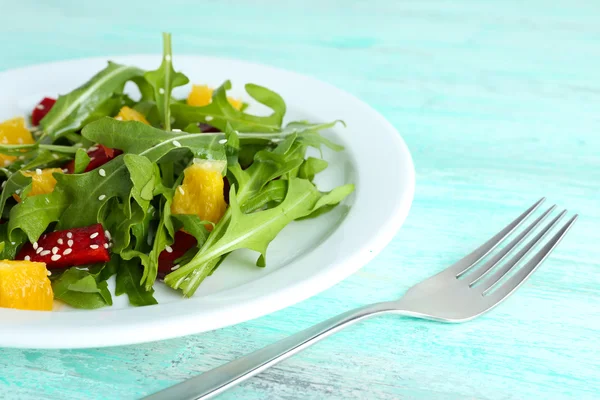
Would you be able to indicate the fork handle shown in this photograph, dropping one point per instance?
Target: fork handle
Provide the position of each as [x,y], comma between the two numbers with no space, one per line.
[219,379]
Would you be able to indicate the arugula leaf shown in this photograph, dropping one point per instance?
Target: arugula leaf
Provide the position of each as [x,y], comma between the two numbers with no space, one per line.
[79,289]
[34,213]
[15,184]
[10,246]
[312,166]
[163,80]
[129,276]
[45,159]
[81,161]
[274,192]
[141,173]
[193,225]
[252,231]
[110,107]
[222,112]
[120,225]
[73,109]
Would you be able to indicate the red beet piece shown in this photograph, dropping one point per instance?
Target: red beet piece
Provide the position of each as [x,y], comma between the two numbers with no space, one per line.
[87,246]
[98,157]
[183,242]
[41,110]
[206,128]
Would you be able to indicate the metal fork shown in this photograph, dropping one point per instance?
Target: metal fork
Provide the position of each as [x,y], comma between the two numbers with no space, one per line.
[459,293]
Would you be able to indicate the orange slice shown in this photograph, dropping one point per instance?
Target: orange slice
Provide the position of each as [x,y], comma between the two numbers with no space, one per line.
[129,114]
[201,95]
[25,285]
[13,131]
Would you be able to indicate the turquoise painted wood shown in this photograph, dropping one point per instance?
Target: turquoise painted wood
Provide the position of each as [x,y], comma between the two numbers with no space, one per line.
[499,103]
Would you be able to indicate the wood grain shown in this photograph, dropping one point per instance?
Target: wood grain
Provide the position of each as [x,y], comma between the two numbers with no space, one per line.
[499,103]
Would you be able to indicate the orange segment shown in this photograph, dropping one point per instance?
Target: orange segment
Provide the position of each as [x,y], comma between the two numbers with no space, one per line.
[42,181]
[201,191]
[129,114]
[13,131]
[25,285]
[201,95]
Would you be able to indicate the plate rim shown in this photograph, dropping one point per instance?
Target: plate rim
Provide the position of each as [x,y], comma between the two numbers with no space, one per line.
[19,336]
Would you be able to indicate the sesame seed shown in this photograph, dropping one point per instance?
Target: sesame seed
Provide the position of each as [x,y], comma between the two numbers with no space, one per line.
[55,257]
[40,107]
[13,243]
[65,170]
[161,91]
[101,197]
[92,159]
[39,250]
[102,172]
[20,140]
[45,253]
[60,241]
[169,249]
[35,245]
[176,130]
[222,141]
[208,118]
[67,251]
[49,273]
[54,250]
[55,156]
[17,191]
[107,234]
[6,163]
[176,143]
[70,243]
[119,118]
[168,57]
[94,246]
[69,235]
[94,235]
[93,148]
[3,184]
[106,245]
[180,190]
[38,171]
[27,258]
[175,267]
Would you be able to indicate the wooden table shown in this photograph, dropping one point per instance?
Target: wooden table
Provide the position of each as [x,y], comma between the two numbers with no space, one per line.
[499,103]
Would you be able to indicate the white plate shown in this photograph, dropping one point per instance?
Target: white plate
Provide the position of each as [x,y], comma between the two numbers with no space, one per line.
[305,259]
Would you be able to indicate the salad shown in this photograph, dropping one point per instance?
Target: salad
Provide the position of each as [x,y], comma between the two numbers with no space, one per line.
[96,184]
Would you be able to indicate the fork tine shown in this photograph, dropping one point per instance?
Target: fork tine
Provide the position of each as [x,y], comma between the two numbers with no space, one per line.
[465,264]
[480,272]
[496,276]
[521,276]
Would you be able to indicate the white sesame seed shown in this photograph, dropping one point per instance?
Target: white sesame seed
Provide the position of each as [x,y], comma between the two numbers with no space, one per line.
[49,273]
[101,197]
[35,245]
[69,235]
[94,246]
[54,250]
[38,171]
[40,107]
[107,234]
[3,184]
[106,245]
[65,170]
[67,251]
[169,249]
[70,243]
[27,258]
[92,159]
[6,163]
[119,118]
[102,172]
[13,243]
[222,141]
[180,190]
[17,191]
[176,143]
[83,268]
[168,57]
[55,257]
[161,90]
[39,250]
[176,130]
[93,148]
[55,156]
[208,118]
[60,241]
[175,267]
[94,235]
[45,253]
[20,140]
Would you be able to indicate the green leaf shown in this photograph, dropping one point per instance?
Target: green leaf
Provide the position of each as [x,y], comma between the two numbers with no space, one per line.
[34,213]
[310,167]
[163,80]
[232,145]
[10,246]
[76,288]
[193,225]
[121,226]
[141,173]
[71,110]
[221,112]
[45,159]
[129,276]
[109,108]
[251,231]
[15,184]
[81,161]
[274,192]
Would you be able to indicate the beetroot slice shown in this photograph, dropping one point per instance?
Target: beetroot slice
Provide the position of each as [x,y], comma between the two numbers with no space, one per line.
[183,242]
[98,157]
[61,249]
[41,109]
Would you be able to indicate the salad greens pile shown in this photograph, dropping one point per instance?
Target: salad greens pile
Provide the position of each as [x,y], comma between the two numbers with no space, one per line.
[269,172]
